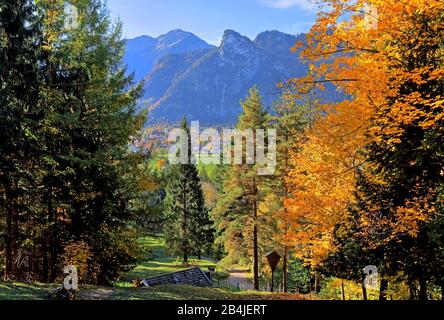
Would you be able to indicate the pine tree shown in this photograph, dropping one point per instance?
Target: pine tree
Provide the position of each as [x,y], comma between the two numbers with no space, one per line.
[188,227]
[87,182]
[19,114]
[202,237]
[67,172]
[237,212]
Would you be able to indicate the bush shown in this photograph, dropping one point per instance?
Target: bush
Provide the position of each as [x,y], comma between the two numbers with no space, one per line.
[78,254]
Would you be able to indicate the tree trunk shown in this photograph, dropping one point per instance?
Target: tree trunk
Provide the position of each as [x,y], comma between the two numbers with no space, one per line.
[285,267]
[442,291]
[8,244]
[45,265]
[383,290]
[255,239]
[51,238]
[185,240]
[316,283]
[422,289]
[256,256]
[53,253]
[364,290]
[342,291]
[286,193]
[412,290]
[15,229]
[185,225]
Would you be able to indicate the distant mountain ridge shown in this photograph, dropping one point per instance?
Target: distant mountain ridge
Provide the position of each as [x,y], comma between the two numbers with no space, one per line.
[207,83]
[143,52]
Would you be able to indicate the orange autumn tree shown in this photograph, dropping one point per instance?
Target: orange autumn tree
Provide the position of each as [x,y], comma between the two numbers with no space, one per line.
[322,179]
[294,111]
[382,59]
[400,185]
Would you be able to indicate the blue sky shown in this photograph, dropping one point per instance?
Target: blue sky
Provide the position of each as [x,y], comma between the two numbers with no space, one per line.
[209,18]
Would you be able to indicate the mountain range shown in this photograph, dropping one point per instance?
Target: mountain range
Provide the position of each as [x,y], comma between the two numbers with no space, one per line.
[143,52]
[185,76]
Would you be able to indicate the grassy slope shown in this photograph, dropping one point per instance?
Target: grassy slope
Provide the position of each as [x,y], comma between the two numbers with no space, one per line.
[192,293]
[21,291]
[40,292]
[157,263]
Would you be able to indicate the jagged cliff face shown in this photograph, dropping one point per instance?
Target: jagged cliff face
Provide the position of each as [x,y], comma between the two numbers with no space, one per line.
[207,84]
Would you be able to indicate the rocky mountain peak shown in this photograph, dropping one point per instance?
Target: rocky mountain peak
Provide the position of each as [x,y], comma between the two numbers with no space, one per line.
[172,38]
[140,44]
[207,84]
[276,41]
[234,43]
[142,53]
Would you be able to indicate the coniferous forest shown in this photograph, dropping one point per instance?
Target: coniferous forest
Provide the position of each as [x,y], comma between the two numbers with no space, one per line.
[355,145]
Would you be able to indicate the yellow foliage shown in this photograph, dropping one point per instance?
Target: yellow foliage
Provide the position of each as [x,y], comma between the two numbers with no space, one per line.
[77,254]
[367,64]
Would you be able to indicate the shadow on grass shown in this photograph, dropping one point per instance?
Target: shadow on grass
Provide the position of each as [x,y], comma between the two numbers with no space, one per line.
[21,291]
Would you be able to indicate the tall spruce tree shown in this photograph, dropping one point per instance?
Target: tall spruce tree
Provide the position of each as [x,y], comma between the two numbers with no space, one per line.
[188,228]
[202,237]
[91,156]
[238,216]
[19,114]
[75,147]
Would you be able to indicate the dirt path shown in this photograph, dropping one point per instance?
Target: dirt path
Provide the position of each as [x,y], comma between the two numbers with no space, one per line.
[97,294]
[239,279]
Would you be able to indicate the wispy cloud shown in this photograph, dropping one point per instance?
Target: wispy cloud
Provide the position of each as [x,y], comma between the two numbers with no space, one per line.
[305,4]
